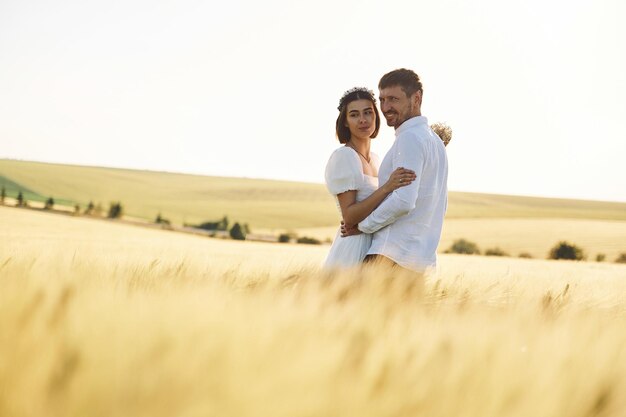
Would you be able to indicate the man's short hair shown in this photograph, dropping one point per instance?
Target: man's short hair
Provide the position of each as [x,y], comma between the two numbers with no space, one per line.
[408,81]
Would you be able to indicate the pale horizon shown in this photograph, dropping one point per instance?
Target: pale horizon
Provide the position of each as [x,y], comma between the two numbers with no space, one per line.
[535,93]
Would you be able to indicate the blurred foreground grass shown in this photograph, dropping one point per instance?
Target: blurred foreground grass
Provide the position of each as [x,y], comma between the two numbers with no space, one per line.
[101,319]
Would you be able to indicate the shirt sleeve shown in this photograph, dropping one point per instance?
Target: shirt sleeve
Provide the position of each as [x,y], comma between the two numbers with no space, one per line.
[409,153]
[343,171]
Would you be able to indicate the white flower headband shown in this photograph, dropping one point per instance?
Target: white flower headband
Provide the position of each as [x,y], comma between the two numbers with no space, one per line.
[354,90]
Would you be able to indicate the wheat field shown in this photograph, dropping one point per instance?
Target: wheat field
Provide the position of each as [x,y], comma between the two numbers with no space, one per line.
[103,319]
[524,235]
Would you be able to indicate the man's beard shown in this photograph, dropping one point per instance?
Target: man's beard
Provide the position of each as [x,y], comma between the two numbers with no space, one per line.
[389,123]
[401,118]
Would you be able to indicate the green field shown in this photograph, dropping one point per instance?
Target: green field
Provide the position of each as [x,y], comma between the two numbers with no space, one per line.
[264,204]
[12,189]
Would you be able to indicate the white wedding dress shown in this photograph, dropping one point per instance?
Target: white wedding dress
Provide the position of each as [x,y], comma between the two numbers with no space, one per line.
[344,172]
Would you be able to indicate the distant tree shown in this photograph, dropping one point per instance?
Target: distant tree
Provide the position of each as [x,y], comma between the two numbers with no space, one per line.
[90,208]
[600,257]
[237,232]
[161,220]
[218,225]
[98,210]
[49,204]
[20,199]
[621,259]
[76,209]
[287,237]
[564,250]
[223,224]
[465,247]
[308,240]
[116,211]
[246,228]
[525,255]
[3,194]
[495,252]
[205,226]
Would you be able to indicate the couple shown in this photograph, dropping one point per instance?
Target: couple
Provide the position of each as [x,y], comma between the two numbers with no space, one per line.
[399,223]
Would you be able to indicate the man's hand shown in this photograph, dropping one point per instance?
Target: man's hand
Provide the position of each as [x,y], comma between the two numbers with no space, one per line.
[349,229]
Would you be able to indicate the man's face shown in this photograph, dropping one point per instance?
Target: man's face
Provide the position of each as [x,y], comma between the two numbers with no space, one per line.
[396,106]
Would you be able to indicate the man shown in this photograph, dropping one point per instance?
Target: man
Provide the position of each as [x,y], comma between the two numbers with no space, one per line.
[407,224]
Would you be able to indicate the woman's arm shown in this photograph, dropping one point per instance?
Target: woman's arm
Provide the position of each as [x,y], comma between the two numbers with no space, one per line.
[353,212]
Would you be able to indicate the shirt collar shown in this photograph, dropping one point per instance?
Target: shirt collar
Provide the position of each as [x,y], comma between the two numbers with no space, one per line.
[412,122]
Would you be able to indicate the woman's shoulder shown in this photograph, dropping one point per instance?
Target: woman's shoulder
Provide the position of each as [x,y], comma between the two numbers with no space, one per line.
[342,150]
[343,171]
[344,154]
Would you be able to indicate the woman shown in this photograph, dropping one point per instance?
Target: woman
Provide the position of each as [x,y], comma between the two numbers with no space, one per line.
[352,174]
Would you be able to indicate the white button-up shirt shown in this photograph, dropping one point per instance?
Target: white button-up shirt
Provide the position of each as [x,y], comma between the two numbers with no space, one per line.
[407,224]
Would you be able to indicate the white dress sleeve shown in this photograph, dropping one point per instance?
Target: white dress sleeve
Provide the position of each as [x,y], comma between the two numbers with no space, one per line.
[343,171]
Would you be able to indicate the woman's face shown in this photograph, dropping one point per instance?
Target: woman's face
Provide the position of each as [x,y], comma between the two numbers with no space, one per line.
[361,119]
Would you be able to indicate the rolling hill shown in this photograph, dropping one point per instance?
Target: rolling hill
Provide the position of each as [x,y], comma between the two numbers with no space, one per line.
[266,204]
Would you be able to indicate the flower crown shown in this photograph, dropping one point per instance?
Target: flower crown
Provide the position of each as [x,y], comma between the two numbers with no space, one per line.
[367,91]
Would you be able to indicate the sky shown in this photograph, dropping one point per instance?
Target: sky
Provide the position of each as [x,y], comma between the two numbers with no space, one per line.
[535,91]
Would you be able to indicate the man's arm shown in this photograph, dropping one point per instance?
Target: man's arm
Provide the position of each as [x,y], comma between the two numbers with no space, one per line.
[409,153]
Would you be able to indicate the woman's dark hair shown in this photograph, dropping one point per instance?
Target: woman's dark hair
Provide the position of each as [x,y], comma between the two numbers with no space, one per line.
[357,93]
